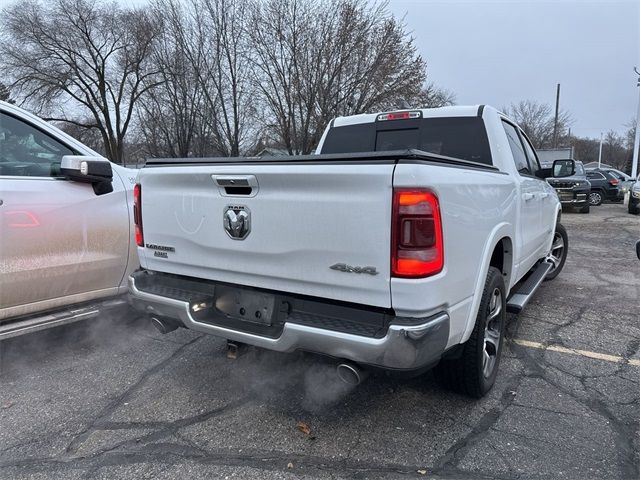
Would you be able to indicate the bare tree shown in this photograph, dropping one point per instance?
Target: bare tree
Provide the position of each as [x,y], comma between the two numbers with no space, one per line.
[537,119]
[5,94]
[630,134]
[432,96]
[217,47]
[613,150]
[585,149]
[171,115]
[315,60]
[79,58]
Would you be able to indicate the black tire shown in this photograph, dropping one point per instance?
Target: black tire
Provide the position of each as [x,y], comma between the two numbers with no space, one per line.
[467,374]
[634,209]
[557,257]
[596,197]
[584,209]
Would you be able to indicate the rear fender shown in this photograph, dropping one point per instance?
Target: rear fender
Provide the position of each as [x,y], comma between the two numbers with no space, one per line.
[501,230]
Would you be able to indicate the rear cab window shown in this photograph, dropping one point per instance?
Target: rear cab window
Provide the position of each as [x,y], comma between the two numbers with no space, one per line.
[463,138]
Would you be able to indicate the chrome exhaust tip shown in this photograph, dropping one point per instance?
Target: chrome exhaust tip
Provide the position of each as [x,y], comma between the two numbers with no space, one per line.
[163,326]
[350,373]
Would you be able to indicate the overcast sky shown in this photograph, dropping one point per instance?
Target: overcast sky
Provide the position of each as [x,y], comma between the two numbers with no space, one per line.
[499,52]
[502,51]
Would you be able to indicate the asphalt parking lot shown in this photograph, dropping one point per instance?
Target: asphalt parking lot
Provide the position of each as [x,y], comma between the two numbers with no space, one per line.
[114,399]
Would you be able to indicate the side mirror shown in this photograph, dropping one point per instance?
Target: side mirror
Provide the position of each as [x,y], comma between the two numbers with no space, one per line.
[94,170]
[563,168]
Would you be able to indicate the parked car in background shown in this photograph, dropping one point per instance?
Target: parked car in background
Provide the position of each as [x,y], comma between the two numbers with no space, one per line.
[66,242]
[625,180]
[634,198]
[604,186]
[572,191]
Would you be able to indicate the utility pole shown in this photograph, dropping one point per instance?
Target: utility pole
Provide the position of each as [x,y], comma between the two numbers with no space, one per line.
[600,152]
[636,143]
[555,121]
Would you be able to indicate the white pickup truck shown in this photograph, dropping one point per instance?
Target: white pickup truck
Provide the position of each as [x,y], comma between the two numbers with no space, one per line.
[66,236]
[400,245]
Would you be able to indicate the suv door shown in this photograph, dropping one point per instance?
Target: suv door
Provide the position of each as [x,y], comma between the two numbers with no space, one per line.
[60,243]
[529,227]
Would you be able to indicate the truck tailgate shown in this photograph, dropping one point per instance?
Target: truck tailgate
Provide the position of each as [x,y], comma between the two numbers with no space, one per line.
[304,218]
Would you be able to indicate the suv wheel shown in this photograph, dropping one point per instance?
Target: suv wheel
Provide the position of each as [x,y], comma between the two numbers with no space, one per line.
[635,209]
[595,198]
[474,372]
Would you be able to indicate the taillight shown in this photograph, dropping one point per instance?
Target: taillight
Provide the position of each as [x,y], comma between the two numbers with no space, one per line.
[416,234]
[614,181]
[137,213]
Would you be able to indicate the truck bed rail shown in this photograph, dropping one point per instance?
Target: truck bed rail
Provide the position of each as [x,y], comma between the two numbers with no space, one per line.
[393,156]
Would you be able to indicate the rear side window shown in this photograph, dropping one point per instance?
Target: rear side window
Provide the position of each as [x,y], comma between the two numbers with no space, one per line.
[531,154]
[595,176]
[458,137]
[519,157]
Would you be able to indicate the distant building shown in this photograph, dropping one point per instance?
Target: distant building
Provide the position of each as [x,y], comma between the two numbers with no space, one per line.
[548,155]
[595,165]
[272,152]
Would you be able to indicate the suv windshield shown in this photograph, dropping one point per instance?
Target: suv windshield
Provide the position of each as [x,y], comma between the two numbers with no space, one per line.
[459,137]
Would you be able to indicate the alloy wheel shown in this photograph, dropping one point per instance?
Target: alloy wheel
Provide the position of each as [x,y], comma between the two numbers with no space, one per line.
[595,198]
[557,251]
[492,333]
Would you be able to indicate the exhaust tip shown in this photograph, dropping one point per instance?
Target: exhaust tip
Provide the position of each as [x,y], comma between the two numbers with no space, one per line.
[163,326]
[350,373]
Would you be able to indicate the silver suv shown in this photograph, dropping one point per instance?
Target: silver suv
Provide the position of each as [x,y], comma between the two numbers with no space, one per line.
[66,245]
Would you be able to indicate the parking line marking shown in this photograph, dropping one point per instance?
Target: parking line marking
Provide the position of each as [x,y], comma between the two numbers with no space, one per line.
[573,351]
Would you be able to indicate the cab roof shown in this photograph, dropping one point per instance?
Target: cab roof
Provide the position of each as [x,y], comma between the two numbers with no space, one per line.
[453,111]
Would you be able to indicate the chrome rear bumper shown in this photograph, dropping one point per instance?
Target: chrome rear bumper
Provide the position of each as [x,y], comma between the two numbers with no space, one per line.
[404,347]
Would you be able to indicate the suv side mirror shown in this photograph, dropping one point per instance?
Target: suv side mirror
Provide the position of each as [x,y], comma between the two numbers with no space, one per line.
[94,170]
[563,168]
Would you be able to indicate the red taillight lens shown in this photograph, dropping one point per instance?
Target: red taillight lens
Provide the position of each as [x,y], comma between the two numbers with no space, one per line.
[137,213]
[614,181]
[416,234]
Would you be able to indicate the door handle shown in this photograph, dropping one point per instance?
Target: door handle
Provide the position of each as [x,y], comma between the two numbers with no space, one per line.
[544,195]
[528,196]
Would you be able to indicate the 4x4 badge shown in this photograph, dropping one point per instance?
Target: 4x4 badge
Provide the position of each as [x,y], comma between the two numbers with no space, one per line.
[343,267]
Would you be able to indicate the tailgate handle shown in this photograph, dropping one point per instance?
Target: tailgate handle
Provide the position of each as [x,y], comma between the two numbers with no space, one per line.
[236,185]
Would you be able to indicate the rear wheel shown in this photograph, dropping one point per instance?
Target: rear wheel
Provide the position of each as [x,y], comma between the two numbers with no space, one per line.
[558,253]
[595,198]
[474,372]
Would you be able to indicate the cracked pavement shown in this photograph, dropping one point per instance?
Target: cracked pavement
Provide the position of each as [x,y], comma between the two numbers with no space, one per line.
[114,399]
